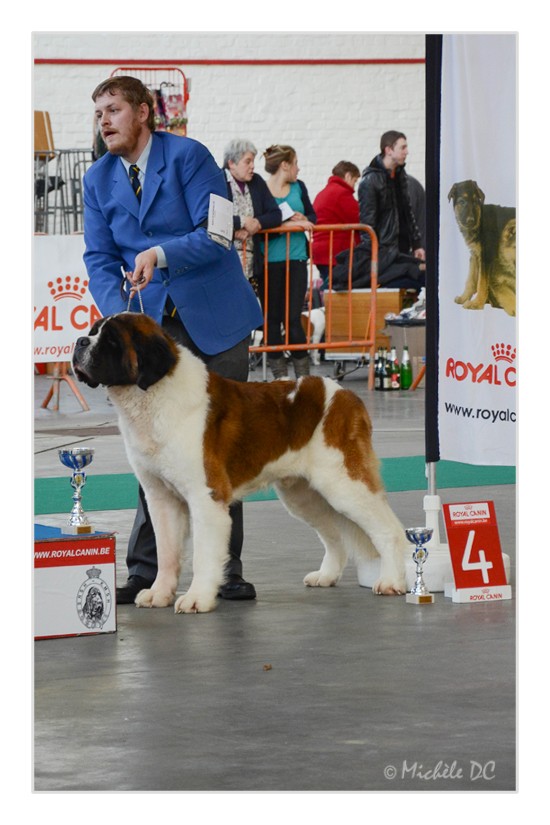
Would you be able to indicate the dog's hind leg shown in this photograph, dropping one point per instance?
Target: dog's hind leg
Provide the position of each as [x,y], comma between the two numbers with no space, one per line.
[211,526]
[170,519]
[371,512]
[310,506]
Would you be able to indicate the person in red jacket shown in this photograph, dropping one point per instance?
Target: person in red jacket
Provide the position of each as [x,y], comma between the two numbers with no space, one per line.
[335,203]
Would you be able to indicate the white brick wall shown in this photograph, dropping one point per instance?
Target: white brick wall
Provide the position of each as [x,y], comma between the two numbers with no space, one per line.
[327,112]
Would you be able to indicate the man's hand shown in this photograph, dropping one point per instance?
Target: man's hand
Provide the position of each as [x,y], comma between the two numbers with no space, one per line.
[145,264]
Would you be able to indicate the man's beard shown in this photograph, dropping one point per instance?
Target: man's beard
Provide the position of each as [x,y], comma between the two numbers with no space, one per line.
[131,141]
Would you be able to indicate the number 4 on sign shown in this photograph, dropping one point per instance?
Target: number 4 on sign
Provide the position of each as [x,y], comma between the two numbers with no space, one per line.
[476,555]
[482,564]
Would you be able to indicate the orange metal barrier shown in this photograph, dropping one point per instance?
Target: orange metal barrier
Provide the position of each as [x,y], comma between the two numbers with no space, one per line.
[367,342]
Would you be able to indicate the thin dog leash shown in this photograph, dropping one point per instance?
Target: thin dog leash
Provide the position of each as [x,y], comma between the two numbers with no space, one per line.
[130,296]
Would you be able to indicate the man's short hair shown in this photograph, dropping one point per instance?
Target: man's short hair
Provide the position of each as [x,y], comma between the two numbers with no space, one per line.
[343,167]
[132,90]
[389,139]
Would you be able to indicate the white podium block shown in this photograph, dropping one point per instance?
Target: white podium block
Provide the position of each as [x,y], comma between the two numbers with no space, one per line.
[436,572]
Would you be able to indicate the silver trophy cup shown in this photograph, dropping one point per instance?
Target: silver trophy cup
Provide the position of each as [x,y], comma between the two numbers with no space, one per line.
[77,459]
[419,536]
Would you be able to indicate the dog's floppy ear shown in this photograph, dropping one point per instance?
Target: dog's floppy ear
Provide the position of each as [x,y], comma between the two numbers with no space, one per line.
[157,355]
[479,193]
[451,194]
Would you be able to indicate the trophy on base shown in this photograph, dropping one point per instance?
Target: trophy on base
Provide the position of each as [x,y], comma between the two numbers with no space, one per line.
[419,536]
[76,459]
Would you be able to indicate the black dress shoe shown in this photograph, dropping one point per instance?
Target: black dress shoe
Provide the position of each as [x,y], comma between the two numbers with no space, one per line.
[236,588]
[128,593]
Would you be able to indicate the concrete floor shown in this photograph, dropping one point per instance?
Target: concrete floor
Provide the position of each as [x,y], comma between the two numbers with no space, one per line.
[361,694]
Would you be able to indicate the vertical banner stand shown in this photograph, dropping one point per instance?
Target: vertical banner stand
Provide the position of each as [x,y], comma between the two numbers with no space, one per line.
[438,572]
[432,509]
[439,564]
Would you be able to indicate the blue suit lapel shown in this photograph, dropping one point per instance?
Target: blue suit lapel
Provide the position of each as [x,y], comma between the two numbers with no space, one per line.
[152,177]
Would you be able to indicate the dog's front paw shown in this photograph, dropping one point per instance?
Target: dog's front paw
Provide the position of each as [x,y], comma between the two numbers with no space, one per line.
[154,598]
[389,587]
[319,579]
[194,602]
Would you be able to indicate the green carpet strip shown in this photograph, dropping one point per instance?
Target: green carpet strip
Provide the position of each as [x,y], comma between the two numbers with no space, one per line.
[118,491]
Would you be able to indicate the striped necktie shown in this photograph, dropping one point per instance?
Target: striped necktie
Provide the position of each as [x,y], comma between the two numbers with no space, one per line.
[134,180]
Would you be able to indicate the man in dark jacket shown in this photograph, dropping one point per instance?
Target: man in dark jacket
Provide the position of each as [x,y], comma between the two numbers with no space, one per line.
[385,205]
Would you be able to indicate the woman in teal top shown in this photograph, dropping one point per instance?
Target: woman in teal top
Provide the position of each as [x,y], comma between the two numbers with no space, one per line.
[291,195]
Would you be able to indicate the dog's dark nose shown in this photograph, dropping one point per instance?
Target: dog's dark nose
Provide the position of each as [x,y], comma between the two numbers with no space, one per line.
[83,342]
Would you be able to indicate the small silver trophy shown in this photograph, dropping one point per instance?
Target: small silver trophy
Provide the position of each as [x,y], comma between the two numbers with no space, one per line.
[76,459]
[419,536]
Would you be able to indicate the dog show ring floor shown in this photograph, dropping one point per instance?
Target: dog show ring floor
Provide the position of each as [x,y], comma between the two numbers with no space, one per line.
[303,689]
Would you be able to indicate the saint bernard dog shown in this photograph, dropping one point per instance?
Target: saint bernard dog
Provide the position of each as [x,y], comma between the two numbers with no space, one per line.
[197,442]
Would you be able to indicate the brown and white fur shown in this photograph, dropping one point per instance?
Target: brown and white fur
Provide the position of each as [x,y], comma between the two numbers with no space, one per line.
[197,442]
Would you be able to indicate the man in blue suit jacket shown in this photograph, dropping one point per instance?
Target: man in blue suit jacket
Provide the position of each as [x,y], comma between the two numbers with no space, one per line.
[146,212]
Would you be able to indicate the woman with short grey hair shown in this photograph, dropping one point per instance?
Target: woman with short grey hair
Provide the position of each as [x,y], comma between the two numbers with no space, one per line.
[235,149]
[254,207]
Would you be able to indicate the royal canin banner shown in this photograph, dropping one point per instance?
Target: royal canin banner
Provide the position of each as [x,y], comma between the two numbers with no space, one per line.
[63,305]
[477,250]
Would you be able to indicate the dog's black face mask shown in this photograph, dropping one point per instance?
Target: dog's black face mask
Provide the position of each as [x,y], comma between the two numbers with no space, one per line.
[467,199]
[122,350]
[82,362]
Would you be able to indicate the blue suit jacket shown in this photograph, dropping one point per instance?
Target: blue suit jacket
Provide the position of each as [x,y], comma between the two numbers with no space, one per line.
[204,279]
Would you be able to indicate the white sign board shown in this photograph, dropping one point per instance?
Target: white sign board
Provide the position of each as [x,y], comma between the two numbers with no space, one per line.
[63,305]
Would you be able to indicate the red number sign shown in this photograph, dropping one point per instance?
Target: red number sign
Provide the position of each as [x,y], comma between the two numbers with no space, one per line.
[474,544]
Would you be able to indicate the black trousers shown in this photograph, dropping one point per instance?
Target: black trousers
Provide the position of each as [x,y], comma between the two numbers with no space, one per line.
[403,273]
[141,558]
[276,304]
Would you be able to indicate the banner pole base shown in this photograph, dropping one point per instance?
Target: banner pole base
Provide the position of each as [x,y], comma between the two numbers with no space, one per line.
[432,509]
